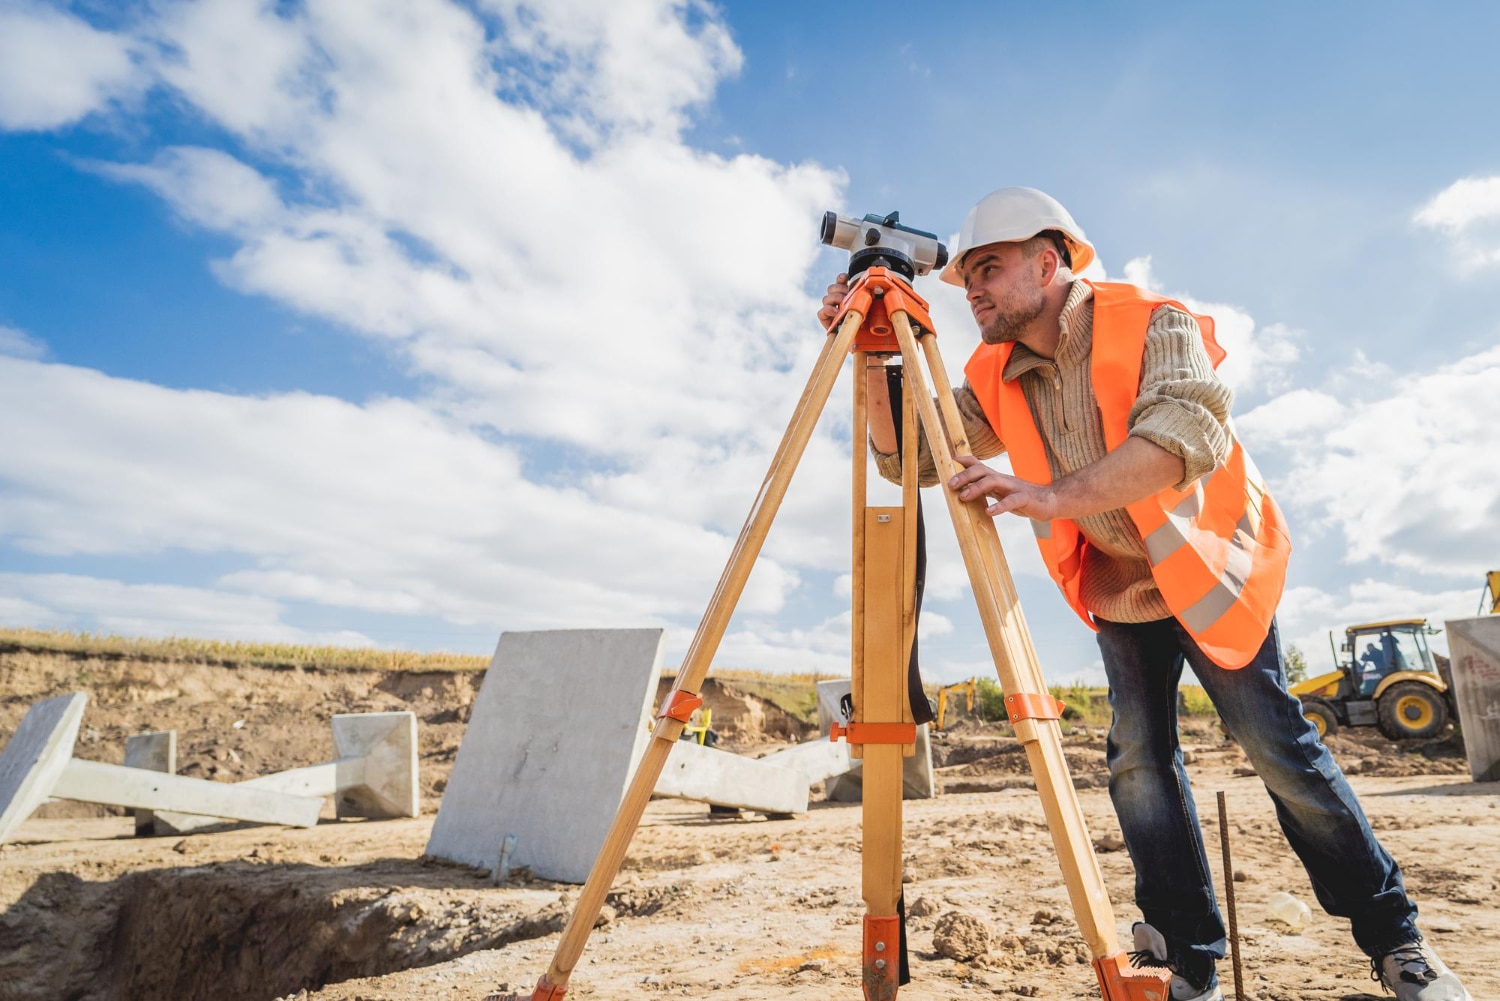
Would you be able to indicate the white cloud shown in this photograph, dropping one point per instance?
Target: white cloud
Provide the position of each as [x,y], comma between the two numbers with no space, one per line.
[1462,204]
[634,64]
[502,197]
[384,507]
[1405,478]
[1256,358]
[55,68]
[1468,211]
[19,344]
[72,601]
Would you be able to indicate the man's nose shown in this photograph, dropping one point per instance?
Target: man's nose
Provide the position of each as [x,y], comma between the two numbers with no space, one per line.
[972,293]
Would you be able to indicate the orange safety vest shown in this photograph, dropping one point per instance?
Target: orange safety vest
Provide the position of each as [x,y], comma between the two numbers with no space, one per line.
[1218,550]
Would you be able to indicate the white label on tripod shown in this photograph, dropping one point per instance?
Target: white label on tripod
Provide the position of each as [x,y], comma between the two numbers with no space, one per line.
[882,519]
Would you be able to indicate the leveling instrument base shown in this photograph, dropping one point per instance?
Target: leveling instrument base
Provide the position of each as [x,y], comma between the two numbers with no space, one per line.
[881,316]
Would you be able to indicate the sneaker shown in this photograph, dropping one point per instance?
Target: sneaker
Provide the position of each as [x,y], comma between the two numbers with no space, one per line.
[1151,950]
[1413,972]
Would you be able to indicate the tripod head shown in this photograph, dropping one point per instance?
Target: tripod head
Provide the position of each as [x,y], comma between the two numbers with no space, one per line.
[882,241]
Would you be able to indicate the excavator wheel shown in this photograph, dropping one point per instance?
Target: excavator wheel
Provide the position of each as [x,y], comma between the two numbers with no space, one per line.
[1321,715]
[1411,710]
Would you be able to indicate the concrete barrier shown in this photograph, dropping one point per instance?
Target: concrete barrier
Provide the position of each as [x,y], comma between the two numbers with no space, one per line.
[38,763]
[1474,659]
[724,779]
[375,774]
[552,741]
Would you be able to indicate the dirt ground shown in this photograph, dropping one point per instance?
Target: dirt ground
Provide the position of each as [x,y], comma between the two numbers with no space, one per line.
[742,908]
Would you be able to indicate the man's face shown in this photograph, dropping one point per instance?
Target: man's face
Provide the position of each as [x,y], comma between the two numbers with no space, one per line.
[1004,288]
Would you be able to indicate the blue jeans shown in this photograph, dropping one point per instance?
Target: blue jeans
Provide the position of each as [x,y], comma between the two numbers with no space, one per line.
[1352,875]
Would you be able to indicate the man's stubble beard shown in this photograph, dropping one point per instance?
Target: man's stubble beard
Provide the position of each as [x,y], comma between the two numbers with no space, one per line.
[1005,326]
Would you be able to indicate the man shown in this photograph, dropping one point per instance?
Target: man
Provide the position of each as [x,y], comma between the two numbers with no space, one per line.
[1157,527]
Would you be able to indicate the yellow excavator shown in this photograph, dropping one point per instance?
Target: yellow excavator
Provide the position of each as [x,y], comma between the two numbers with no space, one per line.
[1386,677]
[961,688]
[1491,594]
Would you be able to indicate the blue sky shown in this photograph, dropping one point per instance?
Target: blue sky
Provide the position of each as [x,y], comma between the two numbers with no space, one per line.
[409,323]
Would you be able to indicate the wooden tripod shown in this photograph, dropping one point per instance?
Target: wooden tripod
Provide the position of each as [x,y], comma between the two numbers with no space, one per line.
[881,315]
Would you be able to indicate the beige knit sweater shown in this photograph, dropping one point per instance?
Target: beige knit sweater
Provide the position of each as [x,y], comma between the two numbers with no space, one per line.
[1182,407]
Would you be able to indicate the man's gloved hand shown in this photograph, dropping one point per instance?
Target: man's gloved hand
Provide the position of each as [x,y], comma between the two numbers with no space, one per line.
[831,301]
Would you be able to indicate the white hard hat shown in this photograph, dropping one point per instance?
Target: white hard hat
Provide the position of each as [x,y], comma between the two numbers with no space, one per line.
[1013,214]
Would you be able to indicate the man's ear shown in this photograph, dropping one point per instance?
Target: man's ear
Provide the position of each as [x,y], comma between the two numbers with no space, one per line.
[1050,261]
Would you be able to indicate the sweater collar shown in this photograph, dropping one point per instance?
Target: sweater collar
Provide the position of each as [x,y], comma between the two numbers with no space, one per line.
[1072,319]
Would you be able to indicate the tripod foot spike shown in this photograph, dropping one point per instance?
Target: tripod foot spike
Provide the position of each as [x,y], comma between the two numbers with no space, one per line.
[544,992]
[1119,981]
[882,962]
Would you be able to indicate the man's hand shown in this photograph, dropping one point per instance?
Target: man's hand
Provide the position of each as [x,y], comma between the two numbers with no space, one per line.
[1030,500]
[833,299]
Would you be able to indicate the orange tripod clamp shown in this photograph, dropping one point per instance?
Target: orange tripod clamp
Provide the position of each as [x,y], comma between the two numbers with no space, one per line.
[873,733]
[875,295]
[680,706]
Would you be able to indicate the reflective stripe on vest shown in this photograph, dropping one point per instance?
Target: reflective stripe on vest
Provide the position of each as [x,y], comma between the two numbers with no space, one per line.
[1218,550]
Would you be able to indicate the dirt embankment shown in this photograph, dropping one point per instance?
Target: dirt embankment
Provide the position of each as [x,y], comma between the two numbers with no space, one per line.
[236,722]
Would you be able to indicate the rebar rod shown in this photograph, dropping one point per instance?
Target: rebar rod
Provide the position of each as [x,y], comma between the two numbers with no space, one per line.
[1234,925]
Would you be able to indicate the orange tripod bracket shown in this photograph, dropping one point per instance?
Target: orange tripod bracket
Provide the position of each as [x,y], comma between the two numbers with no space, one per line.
[881,971]
[680,706]
[875,295]
[1033,705]
[1119,981]
[874,733]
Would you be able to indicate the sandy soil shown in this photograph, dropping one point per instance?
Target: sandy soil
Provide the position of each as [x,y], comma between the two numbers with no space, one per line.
[743,908]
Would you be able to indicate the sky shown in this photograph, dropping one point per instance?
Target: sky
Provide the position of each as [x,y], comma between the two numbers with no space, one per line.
[404,323]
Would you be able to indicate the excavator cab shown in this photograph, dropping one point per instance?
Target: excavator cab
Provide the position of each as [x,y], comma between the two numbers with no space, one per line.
[1387,677]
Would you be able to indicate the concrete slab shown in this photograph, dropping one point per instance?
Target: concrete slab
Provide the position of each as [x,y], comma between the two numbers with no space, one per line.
[156,752]
[918,781]
[709,775]
[116,785]
[1474,658]
[818,759]
[35,756]
[552,741]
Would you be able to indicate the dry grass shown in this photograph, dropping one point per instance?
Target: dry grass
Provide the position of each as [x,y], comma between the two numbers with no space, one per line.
[177,649]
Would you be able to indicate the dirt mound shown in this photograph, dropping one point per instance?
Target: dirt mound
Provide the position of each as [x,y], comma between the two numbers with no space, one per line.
[743,720]
[989,763]
[1364,751]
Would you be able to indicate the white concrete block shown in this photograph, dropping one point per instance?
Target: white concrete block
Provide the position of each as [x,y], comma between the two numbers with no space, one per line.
[918,780]
[157,752]
[387,743]
[709,775]
[116,785]
[551,744]
[818,759]
[1474,659]
[375,775]
[35,757]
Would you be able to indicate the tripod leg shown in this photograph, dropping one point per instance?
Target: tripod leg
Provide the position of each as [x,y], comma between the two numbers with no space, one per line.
[880,697]
[1020,673]
[700,654]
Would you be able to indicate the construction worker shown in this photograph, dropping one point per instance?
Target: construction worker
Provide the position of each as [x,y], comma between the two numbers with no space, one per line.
[1157,527]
